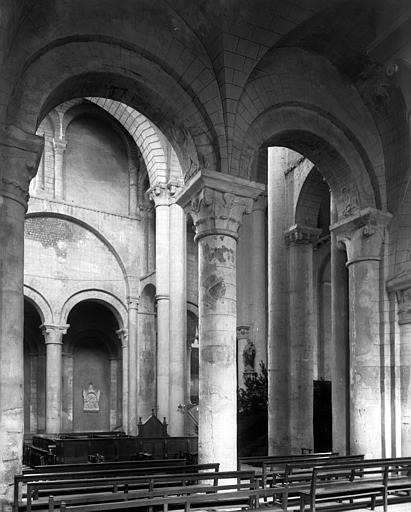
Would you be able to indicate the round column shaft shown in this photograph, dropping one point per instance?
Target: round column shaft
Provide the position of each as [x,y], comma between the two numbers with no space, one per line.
[302,336]
[20,156]
[277,346]
[363,236]
[53,335]
[133,373]
[123,335]
[178,317]
[59,150]
[217,215]
[160,196]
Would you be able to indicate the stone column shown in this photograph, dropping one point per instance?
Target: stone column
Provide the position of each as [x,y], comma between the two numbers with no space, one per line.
[259,280]
[300,241]
[59,146]
[68,392]
[340,342]
[178,316]
[34,358]
[53,335]
[20,156]
[113,393]
[160,196]
[363,237]
[133,204]
[216,203]
[133,373]
[277,349]
[123,335]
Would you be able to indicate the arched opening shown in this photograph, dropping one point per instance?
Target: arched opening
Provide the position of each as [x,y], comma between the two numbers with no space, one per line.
[34,372]
[93,370]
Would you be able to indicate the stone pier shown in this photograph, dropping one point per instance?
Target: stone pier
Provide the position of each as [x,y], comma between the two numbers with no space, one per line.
[217,204]
[21,154]
[363,237]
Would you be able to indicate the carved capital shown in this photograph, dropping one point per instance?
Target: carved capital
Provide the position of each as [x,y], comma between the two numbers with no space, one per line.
[401,285]
[59,146]
[243,332]
[159,194]
[404,306]
[174,188]
[260,203]
[302,235]
[20,155]
[123,336]
[217,202]
[133,302]
[53,334]
[363,235]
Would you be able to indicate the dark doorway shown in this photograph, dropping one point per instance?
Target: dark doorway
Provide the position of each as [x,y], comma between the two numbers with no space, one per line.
[322,416]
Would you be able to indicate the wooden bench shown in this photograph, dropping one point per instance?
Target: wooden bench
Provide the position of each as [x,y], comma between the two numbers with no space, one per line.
[206,500]
[296,476]
[260,459]
[101,490]
[351,481]
[100,466]
[21,479]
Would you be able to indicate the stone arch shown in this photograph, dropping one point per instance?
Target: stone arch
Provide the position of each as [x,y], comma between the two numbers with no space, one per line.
[309,95]
[314,135]
[309,199]
[162,96]
[145,135]
[90,228]
[116,306]
[40,303]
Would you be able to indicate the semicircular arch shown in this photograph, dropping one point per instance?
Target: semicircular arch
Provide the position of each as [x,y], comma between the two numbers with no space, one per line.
[40,303]
[116,306]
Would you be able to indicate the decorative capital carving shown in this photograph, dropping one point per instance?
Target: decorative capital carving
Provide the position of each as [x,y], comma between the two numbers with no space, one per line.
[53,334]
[133,302]
[401,285]
[260,203]
[302,235]
[363,235]
[20,155]
[159,194]
[404,306]
[217,202]
[59,146]
[243,332]
[123,336]
[174,188]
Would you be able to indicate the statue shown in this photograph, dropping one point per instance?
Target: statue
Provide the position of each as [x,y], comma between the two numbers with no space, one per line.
[249,357]
[91,397]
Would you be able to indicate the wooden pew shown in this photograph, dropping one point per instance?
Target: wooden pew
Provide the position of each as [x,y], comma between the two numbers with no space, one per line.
[371,479]
[296,476]
[260,459]
[105,473]
[101,490]
[87,466]
[209,500]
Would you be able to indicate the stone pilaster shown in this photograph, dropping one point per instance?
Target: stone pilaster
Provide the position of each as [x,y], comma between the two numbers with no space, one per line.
[133,370]
[123,336]
[178,315]
[159,193]
[53,335]
[20,155]
[217,203]
[363,237]
[401,285]
[300,240]
[59,146]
